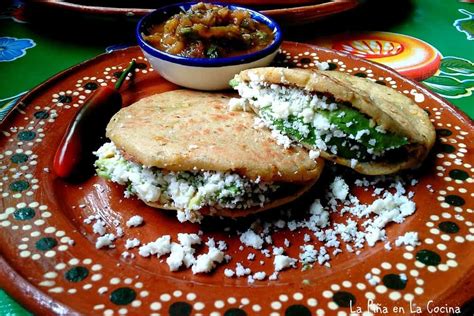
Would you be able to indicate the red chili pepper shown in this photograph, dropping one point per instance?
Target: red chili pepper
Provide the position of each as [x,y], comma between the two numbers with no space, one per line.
[74,158]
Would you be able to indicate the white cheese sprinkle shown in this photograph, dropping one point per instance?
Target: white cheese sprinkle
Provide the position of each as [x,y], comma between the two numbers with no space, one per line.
[186,191]
[314,154]
[282,262]
[259,275]
[99,227]
[229,273]
[134,221]
[132,243]
[251,239]
[160,247]
[240,270]
[206,262]
[409,239]
[105,241]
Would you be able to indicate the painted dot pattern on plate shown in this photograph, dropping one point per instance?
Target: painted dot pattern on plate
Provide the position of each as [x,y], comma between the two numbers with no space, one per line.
[405,274]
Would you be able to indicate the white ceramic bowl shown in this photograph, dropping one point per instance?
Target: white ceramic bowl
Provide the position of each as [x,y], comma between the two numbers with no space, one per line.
[203,73]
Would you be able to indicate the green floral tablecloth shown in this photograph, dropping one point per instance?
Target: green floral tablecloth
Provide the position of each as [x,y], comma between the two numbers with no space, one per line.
[33,49]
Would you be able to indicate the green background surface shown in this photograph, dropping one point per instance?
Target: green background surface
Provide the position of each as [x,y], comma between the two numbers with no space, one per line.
[64,41]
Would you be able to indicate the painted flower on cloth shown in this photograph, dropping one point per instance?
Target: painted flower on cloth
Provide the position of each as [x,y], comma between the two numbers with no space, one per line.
[13,48]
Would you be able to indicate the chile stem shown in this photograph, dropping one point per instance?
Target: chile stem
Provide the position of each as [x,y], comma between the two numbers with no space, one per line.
[124,75]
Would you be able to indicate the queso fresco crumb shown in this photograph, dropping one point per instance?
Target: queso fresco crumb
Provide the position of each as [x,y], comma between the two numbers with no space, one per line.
[184,190]
[189,251]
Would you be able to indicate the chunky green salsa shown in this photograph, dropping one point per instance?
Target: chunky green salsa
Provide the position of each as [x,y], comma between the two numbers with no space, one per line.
[210,31]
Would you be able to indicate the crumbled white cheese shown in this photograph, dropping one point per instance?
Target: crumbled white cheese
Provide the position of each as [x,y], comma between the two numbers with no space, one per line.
[240,270]
[322,65]
[306,238]
[354,163]
[134,221]
[259,275]
[319,216]
[409,239]
[281,139]
[281,262]
[339,188]
[221,245]
[314,154]
[374,234]
[132,243]
[188,240]
[186,191]
[292,225]
[393,207]
[206,262]
[361,133]
[308,254]
[119,231]
[176,257]
[229,273]
[99,227]
[278,251]
[160,247]
[182,253]
[273,276]
[251,239]
[193,216]
[104,241]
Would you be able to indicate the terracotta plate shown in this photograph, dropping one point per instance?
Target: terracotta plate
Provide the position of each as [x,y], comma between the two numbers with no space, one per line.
[286,12]
[50,263]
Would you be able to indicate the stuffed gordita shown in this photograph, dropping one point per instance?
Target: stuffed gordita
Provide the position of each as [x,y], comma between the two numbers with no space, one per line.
[183,150]
[352,121]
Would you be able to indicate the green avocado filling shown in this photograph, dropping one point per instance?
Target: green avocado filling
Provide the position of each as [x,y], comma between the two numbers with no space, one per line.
[383,141]
[374,143]
[234,83]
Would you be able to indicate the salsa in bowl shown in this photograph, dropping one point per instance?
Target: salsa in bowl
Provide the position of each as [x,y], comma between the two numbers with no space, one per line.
[203,45]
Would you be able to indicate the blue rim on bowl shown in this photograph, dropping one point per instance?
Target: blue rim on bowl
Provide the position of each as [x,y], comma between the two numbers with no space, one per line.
[163,13]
